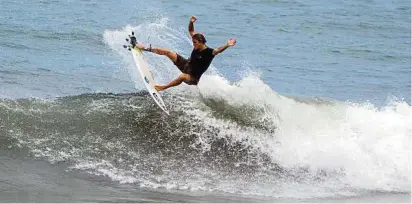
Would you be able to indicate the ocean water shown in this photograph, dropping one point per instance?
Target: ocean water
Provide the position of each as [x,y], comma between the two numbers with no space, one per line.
[313,104]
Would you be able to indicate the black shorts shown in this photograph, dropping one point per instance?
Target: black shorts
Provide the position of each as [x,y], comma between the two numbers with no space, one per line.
[183,65]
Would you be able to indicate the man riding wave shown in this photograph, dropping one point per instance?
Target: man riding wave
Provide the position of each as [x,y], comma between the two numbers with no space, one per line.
[199,61]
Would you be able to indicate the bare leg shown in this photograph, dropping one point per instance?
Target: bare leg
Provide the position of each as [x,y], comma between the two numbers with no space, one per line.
[160,51]
[173,57]
[181,78]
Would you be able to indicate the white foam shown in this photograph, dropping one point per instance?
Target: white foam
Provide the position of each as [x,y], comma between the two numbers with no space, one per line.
[159,34]
[369,145]
[105,168]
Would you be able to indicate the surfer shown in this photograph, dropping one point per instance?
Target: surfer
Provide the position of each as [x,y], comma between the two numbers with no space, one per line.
[199,61]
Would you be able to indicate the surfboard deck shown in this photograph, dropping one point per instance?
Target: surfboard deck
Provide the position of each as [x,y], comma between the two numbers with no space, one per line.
[143,68]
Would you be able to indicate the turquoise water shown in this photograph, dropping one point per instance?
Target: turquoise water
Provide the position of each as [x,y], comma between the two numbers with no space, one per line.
[314,101]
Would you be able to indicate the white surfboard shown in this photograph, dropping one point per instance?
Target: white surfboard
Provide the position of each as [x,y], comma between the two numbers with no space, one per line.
[147,77]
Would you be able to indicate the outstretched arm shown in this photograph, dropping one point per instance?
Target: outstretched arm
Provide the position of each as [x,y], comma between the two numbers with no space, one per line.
[231,42]
[191,26]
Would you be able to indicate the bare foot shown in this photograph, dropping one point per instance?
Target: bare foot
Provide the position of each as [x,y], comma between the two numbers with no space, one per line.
[159,88]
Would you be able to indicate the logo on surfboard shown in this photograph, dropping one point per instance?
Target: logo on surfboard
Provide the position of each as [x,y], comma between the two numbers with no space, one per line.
[146,79]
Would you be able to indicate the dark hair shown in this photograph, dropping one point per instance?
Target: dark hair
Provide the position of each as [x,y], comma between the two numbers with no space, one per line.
[199,37]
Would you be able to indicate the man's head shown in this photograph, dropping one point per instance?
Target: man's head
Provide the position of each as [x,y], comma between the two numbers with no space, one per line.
[198,40]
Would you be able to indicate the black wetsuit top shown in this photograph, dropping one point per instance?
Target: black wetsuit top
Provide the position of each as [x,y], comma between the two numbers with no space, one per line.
[199,61]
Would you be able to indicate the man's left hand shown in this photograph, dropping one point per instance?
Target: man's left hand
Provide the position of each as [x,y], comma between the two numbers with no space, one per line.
[231,42]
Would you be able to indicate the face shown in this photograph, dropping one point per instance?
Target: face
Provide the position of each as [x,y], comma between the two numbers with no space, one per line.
[196,44]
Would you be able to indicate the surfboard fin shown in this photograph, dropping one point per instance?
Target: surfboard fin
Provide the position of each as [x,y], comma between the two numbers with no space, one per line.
[127,47]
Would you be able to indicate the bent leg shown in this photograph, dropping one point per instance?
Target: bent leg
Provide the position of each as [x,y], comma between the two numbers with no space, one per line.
[175,82]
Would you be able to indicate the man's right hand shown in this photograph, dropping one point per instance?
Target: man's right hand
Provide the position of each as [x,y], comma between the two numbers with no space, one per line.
[193,19]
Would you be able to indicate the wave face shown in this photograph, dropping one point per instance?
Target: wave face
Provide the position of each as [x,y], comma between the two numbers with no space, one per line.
[241,138]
